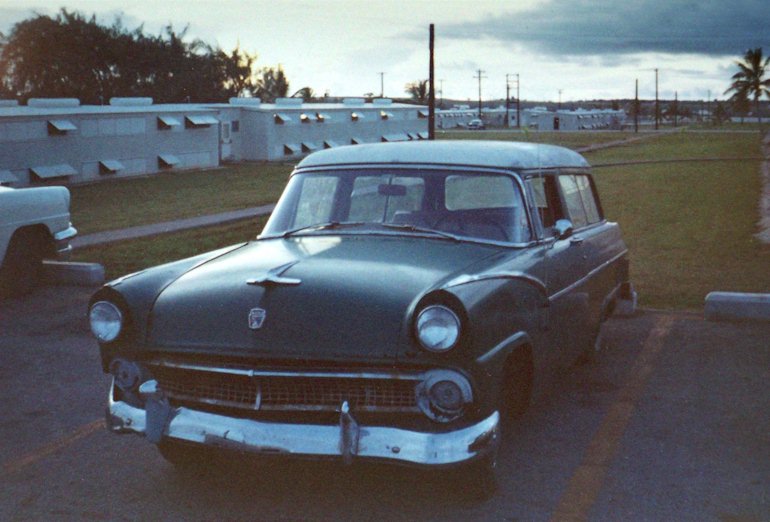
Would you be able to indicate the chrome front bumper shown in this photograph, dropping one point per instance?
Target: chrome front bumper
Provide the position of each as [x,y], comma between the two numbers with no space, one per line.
[348,440]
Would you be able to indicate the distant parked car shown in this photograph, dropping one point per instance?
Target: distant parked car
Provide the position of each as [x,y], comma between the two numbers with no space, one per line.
[34,225]
[400,305]
[475,125]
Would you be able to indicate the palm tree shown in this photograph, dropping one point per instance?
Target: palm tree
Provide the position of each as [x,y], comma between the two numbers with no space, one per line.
[418,90]
[749,81]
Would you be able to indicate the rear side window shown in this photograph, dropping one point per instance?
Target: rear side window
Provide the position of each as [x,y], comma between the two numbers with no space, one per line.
[579,199]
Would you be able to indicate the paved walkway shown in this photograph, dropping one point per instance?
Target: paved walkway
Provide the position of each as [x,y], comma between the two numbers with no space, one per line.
[112,236]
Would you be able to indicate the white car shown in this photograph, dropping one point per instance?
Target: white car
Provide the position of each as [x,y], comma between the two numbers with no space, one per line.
[34,225]
[475,125]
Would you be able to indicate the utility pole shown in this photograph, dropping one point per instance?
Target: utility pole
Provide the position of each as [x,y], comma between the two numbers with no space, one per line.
[657,106]
[479,78]
[432,90]
[382,84]
[676,108]
[708,106]
[507,102]
[559,106]
[518,104]
[636,107]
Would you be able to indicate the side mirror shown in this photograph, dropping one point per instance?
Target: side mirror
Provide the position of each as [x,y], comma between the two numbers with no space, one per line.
[563,228]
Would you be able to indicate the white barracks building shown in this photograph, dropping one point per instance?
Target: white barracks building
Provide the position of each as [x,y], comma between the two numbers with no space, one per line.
[61,141]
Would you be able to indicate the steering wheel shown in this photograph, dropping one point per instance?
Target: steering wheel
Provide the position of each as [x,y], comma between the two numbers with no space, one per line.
[442,222]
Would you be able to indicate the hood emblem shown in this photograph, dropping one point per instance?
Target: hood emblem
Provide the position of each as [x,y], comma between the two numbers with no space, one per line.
[274,276]
[256,318]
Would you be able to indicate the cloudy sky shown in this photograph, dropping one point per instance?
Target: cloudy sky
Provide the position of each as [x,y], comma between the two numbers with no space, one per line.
[587,49]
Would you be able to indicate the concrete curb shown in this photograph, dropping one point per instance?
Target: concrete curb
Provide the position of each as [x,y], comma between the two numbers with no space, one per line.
[734,306]
[77,274]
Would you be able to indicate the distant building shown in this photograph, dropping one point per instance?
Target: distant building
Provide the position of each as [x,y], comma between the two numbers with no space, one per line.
[59,140]
[581,119]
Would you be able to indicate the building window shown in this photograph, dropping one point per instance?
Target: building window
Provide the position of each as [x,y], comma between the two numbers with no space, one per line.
[290,149]
[167,122]
[53,172]
[281,119]
[60,127]
[168,161]
[235,126]
[110,167]
[199,122]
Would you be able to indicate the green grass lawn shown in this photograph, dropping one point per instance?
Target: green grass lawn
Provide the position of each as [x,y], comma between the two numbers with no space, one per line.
[572,140]
[689,226]
[134,255]
[172,195]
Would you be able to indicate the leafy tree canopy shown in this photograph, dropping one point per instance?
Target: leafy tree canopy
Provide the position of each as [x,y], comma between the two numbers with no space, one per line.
[72,56]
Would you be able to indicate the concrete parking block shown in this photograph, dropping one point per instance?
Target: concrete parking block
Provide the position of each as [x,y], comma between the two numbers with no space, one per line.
[735,306]
[70,273]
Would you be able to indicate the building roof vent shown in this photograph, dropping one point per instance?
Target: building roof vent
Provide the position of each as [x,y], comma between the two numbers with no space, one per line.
[251,102]
[289,102]
[131,102]
[53,102]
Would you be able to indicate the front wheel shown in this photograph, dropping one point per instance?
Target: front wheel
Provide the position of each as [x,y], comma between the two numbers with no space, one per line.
[23,265]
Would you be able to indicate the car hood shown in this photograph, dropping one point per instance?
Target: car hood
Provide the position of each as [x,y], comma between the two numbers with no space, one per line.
[320,297]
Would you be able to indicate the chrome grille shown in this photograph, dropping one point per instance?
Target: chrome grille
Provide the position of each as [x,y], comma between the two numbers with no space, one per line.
[285,391]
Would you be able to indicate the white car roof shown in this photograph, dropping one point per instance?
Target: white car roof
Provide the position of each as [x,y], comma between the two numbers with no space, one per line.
[478,153]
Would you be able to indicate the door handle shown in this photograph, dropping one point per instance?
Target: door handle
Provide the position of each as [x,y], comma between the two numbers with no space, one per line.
[576,240]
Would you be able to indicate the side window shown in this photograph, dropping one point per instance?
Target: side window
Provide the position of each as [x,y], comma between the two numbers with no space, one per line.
[546,196]
[316,200]
[589,200]
[573,201]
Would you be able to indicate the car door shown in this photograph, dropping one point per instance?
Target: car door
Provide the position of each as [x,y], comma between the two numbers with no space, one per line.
[565,267]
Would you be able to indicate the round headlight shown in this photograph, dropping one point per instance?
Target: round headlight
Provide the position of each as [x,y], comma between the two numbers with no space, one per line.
[106,321]
[438,328]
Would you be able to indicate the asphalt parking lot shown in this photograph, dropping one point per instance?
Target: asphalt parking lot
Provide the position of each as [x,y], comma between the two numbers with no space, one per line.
[672,422]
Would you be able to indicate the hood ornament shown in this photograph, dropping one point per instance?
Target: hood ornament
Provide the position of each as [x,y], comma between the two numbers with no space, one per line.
[274,276]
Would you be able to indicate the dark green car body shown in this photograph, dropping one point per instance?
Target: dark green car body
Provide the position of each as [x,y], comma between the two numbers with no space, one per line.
[401,300]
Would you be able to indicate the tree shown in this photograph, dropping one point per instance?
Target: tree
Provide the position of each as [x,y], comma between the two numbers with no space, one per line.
[306,93]
[749,81]
[69,55]
[719,116]
[271,84]
[418,90]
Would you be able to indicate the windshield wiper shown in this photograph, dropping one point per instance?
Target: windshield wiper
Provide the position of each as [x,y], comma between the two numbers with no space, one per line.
[330,225]
[421,230]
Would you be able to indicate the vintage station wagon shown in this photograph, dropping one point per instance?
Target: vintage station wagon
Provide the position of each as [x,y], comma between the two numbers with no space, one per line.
[401,304]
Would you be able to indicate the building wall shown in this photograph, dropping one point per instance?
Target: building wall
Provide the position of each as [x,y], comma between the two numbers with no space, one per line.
[101,144]
[127,138]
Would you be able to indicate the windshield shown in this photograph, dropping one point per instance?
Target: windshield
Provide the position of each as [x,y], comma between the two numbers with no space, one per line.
[447,204]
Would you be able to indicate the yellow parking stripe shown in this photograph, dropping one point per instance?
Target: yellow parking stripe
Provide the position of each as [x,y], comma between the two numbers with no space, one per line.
[586,483]
[16,465]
